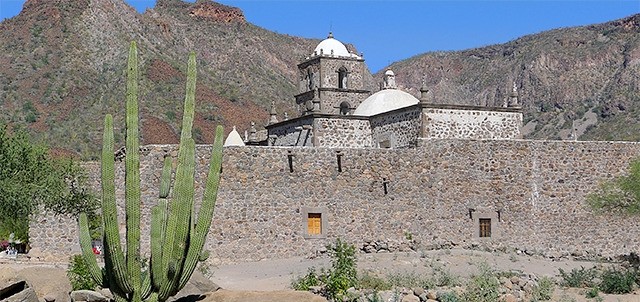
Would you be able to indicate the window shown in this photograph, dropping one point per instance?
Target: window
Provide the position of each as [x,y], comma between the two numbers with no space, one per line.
[486,224]
[342,78]
[345,108]
[485,227]
[314,224]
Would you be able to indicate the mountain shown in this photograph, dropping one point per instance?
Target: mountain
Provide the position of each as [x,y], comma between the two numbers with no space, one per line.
[584,78]
[63,68]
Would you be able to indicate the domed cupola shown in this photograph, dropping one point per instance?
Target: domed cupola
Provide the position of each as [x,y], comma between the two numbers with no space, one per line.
[387,99]
[332,47]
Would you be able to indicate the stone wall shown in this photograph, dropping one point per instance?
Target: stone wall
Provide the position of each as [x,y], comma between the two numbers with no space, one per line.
[347,132]
[451,121]
[400,128]
[296,132]
[534,191]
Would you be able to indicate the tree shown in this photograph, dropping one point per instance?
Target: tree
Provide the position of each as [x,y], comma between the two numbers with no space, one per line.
[619,195]
[30,180]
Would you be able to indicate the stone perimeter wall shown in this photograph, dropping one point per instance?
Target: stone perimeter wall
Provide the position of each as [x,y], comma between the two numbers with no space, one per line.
[537,189]
[471,124]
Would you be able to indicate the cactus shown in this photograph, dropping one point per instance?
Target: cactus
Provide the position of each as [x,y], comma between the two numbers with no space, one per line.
[177,239]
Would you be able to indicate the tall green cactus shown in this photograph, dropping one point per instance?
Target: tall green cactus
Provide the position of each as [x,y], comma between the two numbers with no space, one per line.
[177,239]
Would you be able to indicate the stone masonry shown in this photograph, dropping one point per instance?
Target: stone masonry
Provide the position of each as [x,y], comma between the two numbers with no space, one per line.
[535,191]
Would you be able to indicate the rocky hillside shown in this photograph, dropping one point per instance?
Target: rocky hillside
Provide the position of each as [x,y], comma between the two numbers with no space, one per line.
[583,78]
[63,65]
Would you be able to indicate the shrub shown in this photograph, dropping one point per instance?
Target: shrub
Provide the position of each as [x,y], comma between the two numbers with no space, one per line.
[79,275]
[307,281]
[582,277]
[483,287]
[448,297]
[410,280]
[445,278]
[592,293]
[544,290]
[370,281]
[617,281]
[343,274]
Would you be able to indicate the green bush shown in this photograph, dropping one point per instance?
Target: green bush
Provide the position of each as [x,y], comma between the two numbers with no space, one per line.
[79,275]
[307,281]
[445,278]
[544,290]
[581,277]
[343,274]
[617,281]
[592,293]
[483,287]
[370,281]
[448,297]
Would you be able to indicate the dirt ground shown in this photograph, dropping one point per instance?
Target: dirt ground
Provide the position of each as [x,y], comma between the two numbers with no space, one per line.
[276,275]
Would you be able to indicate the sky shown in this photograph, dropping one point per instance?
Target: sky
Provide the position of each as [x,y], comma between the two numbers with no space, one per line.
[389,31]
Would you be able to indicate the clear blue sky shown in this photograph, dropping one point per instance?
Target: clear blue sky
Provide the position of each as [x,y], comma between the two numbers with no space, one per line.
[388,31]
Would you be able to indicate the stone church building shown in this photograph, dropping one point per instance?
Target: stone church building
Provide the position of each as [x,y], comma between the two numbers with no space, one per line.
[337,110]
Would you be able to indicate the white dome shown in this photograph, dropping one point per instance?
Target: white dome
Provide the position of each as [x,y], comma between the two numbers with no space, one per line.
[385,101]
[234,139]
[330,44]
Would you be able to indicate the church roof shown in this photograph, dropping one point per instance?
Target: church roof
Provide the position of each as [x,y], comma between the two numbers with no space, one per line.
[331,46]
[234,139]
[384,101]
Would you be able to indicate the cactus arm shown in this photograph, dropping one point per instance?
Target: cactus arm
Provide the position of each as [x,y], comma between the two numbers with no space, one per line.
[182,205]
[196,243]
[113,250]
[87,251]
[132,175]
[146,287]
[189,99]
[181,208]
[158,224]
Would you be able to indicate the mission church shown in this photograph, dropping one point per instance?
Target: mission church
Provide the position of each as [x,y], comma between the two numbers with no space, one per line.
[337,110]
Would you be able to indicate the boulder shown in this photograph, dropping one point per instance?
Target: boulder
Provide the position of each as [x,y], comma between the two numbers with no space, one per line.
[17,291]
[197,285]
[88,296]
[410,298]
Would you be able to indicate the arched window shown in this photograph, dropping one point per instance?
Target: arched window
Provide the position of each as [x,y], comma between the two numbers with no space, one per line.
[342,78]
[345,108]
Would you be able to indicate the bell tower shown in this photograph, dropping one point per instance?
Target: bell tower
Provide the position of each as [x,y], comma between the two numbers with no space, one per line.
[331,80]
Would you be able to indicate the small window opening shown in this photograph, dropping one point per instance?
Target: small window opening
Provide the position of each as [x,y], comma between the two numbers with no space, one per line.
[339,158]
[290,159]
[485,227]
[314,223]
[345,108]
[385,144]
[342,78]
[385,183]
